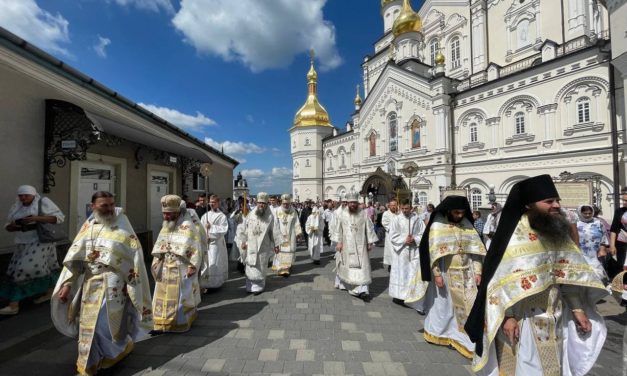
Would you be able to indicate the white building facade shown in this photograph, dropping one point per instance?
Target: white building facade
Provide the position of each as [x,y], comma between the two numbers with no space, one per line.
[477,93]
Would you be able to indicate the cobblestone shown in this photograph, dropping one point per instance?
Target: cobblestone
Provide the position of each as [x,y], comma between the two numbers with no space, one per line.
[300,325]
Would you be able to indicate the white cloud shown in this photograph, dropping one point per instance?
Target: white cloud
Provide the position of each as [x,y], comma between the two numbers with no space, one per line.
[151,5]
[37,26]
[186,121]
[101,46]
[252,174]
[281,172]
[250,118]
[235,147]
[260,34]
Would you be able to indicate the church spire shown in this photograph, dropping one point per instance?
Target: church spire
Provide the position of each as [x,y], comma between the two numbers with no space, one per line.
[312,112]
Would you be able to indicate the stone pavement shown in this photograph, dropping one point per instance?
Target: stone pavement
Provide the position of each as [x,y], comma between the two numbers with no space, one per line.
[301,325]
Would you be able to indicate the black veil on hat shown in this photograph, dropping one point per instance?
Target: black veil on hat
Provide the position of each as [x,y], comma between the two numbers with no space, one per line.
[524,192]
[449,203]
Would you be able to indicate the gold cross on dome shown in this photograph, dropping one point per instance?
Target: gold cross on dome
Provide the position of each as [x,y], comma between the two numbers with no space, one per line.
[312,55]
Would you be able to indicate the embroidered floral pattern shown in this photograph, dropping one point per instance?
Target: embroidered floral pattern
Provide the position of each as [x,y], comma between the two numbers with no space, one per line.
[525,284]
[494,300]
[93,255]
[563,261]
[533,237]
[559,273]
[132,276]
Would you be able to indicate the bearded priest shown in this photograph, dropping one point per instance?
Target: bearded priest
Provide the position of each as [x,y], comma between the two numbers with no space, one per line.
[178,254]
[535,313]
[451,253]
[286,218]
[355,239]
[102,296]
[256,239]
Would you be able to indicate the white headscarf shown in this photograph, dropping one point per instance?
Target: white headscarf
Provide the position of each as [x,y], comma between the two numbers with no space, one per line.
[18,210]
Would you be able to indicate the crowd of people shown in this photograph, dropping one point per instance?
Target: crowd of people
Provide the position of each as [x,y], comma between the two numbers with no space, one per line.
[515,293]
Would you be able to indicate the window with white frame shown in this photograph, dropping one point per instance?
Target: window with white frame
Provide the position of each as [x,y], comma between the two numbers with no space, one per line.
[342,160]
[296,169]
[422,199]
[456,60]
[307,164]
[583,110]
[198,183]
[329,161]
[519,120]
[434,46]
[474,137]
[307,142]
[475,199]
[393,131]
[522,31]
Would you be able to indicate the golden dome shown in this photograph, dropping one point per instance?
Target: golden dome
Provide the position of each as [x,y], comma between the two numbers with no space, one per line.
[312,113]
[407,21]
[439,58]
[357,98]
[385,2]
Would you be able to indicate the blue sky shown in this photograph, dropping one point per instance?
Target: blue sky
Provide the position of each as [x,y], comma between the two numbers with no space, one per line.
[231,72]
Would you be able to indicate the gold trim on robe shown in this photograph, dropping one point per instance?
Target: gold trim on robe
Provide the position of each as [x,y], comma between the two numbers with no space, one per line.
[528,269]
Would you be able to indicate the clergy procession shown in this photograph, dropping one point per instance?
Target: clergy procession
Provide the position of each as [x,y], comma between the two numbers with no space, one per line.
[520,301]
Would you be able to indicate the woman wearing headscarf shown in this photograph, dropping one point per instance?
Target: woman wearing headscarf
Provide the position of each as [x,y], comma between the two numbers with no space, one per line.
[34,267]
[592,239]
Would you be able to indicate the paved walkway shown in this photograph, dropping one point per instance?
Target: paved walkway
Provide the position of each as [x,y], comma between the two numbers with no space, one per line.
[301,325]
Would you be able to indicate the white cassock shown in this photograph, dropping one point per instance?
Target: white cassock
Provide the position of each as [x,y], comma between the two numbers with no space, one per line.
[314,228]
[288,229]
[217,255]
[355,231]
[258,234]
[386,221]
[332,231]
[405,278]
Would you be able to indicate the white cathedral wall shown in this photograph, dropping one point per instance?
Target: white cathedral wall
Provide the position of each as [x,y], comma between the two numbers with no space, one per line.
[547,97]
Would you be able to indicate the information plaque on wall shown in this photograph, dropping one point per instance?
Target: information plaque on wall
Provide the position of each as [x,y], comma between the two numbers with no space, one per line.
[574,194]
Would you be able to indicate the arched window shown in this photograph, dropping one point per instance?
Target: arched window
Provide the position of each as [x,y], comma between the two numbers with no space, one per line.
[519,120]
[415,135]
[583,110]
[393,128]
[307,142]
[475,199]
[343,161]
[307,163]
[523,33]
[434,46]
[422,199]
[373,144]
[474,137]
[329,161]
[295,169]
[456,59]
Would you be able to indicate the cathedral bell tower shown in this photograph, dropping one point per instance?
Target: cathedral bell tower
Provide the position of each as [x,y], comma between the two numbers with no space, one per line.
[311,125]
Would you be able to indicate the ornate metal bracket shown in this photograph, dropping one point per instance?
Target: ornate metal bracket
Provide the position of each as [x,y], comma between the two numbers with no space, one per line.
[68,135]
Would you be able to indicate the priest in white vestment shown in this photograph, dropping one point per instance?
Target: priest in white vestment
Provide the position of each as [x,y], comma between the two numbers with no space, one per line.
[406,285]
[386,221]
[102,297]
[256,238]
[535,312]
[315,230]
[452,252]
[216,225]
[178,257]
[355,238]
[332,231]
[286,219]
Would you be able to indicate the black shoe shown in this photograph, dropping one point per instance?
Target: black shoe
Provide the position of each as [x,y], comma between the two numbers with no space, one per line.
[155,333]
[400,302]
[421,313]
[257,293]
[365,297]
[316,262]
